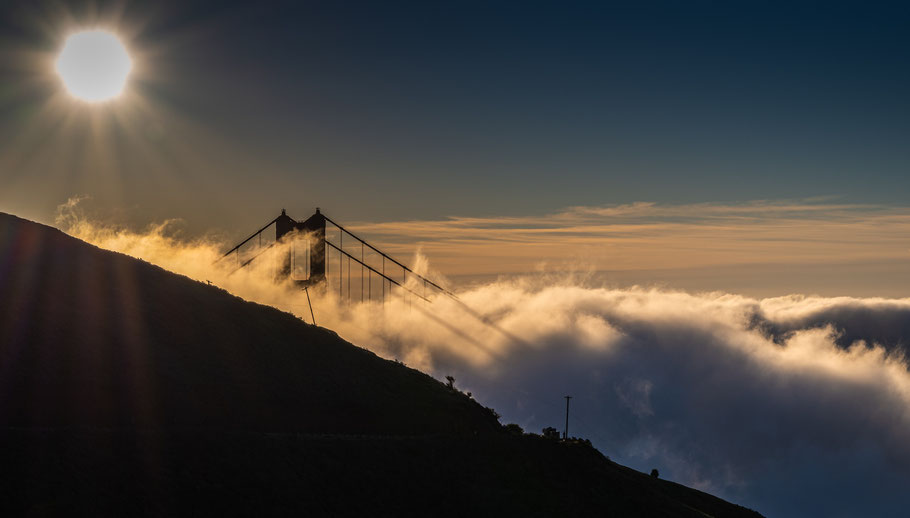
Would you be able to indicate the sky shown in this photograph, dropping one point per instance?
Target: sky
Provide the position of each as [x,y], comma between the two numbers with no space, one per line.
[747,155]
[386,112]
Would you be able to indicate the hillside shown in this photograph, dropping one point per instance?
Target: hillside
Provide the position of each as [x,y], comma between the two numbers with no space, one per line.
[126,389]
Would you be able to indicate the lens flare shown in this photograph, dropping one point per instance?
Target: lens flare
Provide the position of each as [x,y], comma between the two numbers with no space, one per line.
[94,65]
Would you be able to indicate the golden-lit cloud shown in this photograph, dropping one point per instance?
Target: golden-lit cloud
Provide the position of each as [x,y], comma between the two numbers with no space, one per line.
[761,248]
[651,236]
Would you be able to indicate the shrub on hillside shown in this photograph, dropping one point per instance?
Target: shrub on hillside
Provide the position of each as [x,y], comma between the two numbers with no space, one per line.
[514,429]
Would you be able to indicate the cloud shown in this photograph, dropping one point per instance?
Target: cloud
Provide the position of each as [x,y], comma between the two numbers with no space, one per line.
[884,322]
[793,405]
[690,384]
[823,240]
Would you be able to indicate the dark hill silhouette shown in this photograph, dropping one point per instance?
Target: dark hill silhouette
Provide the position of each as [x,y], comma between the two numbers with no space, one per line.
[126,389]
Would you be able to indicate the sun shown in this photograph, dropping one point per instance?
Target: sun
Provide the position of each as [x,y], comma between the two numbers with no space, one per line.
[94,65]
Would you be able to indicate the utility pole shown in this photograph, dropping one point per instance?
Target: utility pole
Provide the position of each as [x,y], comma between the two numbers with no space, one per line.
[565,434]
[307,291]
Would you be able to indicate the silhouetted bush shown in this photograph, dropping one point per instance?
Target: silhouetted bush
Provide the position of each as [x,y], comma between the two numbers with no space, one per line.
[451,381]
[551,433]
[655,473]
[514,429]
[579,441]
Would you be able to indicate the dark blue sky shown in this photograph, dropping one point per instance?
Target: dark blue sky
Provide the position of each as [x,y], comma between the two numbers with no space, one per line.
[390,110]
[556,104]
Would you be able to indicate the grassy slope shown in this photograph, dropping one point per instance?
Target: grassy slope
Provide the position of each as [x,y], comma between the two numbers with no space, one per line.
[126,389]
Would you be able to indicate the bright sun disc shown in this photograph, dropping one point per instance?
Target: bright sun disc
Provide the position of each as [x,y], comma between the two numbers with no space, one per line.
[94,65]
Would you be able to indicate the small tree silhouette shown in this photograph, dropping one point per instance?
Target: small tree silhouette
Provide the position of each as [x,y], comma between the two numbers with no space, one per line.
[655,473]
[451,381]
[514,429]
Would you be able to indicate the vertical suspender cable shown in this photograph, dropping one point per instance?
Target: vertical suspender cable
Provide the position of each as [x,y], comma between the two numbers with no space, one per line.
[340,264]
[361,271]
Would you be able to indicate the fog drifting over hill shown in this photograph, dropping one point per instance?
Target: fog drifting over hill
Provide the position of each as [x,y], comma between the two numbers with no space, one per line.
[793,405]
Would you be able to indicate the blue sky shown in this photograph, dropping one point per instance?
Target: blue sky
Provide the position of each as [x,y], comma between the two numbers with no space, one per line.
[403,112]
[442,109]
[380,111]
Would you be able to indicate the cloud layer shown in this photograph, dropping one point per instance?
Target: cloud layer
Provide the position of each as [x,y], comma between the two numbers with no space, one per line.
[794,405]
[762,248]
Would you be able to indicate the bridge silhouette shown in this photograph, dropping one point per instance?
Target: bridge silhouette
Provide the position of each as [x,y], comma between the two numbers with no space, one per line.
[322,254]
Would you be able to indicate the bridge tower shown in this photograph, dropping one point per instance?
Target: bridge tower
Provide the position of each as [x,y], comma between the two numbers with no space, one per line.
[310,267]
[312,232]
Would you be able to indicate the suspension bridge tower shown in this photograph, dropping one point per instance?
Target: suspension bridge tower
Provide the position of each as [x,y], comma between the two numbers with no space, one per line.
[311,232]
[310,254]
